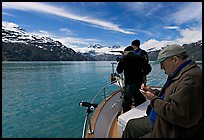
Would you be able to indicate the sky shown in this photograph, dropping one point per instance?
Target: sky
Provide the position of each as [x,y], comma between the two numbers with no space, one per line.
[81,24]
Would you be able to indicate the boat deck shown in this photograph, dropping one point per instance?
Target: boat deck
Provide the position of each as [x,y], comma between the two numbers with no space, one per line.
[114,130]
[111,126]
[114,127]
[104,116]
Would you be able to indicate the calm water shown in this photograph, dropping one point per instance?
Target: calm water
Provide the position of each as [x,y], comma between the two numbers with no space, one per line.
[41,99]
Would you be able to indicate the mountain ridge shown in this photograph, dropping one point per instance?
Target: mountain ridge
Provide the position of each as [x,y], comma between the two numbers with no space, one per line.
[18,45]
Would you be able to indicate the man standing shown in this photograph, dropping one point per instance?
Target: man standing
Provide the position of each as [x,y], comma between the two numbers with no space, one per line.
[177,108]
[138,51]
[134,67]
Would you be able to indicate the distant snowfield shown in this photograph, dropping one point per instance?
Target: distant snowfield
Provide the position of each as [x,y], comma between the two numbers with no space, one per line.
[151,45]
[105,50]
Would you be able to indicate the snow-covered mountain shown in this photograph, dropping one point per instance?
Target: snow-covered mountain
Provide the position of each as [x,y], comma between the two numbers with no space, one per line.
[17,44]
[12,33]
[98,49]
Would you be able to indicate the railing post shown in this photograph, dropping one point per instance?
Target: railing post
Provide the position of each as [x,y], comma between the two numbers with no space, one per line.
[104,92]
[90,131]
[113,67]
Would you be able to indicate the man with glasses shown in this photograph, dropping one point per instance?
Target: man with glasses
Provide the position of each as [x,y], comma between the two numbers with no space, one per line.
[177,109]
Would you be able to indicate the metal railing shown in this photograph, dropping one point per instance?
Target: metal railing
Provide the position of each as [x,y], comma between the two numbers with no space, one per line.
[91,106]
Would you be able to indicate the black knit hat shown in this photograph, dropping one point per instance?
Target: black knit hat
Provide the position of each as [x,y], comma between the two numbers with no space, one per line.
[136,43]
[129,48]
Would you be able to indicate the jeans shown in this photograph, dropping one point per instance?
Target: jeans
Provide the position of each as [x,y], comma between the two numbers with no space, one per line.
[132,91]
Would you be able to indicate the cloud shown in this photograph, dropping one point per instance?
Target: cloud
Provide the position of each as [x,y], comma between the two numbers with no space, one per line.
[42,33]
[7,14]
[66,30]
[74,41]
[154,44]
[59,11]
[171,27]
[190,12]
[188,35]
[144,8]
[67,41]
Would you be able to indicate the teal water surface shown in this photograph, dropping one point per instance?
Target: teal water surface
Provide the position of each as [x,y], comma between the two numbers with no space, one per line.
[41,99]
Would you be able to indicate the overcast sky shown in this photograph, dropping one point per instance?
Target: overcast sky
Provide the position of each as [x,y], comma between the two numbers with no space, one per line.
[80,24]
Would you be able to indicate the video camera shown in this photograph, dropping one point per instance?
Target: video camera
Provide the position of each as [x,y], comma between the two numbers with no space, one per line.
[90,106]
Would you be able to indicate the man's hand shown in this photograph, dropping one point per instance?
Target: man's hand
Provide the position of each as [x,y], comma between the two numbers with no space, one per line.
[147,92]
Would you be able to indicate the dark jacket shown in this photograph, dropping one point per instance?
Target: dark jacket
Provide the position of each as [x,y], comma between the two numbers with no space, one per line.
[180,113]
[134,67]
[143,53]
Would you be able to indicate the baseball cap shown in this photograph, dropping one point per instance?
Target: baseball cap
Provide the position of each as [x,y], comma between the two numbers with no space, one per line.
[135,43]
[168,51]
